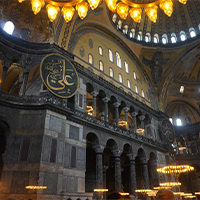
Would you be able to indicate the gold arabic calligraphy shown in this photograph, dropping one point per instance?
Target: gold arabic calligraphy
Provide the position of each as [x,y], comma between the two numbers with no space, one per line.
[57,75]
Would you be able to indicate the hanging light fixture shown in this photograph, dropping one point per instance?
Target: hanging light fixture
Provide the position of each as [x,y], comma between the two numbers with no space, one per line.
[94,3]
[123,8]
[151,13]
[52,12]
[68,13]
[37,5]
[135,14]
[82,9]
[167,7]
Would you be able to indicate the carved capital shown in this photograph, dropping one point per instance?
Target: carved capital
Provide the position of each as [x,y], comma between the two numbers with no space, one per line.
[99,149]
[117,152]
[134,114]
[106,99]
[94,93]
[125,109]
[142,117]
[116,104]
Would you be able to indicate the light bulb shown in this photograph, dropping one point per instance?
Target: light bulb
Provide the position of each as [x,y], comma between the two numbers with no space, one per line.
[82,9]
[167,7]
[20,1]
[183,1]
[135,14]
[151,12]
[37,5]
[94,3]
[68,13]
[52,12]
[122,10]
[112,4]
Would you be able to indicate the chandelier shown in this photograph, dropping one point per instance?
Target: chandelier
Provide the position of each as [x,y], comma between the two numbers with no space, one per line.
[122,7]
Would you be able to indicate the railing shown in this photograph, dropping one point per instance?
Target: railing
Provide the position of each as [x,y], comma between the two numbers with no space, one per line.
[65,106]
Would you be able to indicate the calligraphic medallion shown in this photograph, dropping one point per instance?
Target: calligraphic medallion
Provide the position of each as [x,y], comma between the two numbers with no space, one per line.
[168,131]
[59,75]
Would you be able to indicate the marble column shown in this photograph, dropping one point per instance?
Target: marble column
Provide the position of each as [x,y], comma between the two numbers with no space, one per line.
[105,167]
[99,165]
[133,183]
[118,178]
[25,81]
[154,173]
[105,100]
[126,109]
[116,105]
[134,114]
[145,172]
[94,95]
[6,64]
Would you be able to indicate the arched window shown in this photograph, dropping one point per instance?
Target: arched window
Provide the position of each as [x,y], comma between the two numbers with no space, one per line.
[90,59]
[101,66]
[171,120]
[182,36]
[9,27]
[126,67]
[181,89]
[164,39]
[119,62]
[119,25]
[192,32]
[120,78]
[125,30]
[143,93]
[100,51]
[147,37]
[156,38]
[139,36]
[188,120]
[178,122]
[136,88]
[134,75]
[173,38]
[110,54]
[128,83]
[111,72]
[114,18]
[132,33]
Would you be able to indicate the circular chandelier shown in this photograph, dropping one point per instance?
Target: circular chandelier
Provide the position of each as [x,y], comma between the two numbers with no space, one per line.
[122,7]
[170,184]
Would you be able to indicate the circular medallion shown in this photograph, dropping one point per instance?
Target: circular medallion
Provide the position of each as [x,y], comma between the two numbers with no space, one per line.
[59,75]
[168,131]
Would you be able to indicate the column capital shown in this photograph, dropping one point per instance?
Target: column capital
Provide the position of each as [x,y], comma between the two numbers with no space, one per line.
[106,99]
[131,156]
[99,148]
[134,114]
[117,152]
[144,161]
[116,104]
[142,117]
[125,109]
[94,93]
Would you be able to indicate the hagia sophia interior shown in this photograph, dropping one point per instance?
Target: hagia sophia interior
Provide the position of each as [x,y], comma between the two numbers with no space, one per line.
[99,102]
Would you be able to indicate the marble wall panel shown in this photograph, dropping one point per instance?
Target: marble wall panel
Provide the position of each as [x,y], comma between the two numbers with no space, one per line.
[67,156]
[55,124]
[60,152]
[71,183]
[50,180]
[35,149]
[46,148]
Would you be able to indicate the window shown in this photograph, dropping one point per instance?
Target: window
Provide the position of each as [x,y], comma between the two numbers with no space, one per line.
[132,33]
[9,27]
[164,39]
[128,84]
[178,122]
[119,25]
[110,54]
[136,88]
[119,63]
[125,29]
[181,89]
[143,93]
[120,78]
[173,38]
[114,18]
[134,75]
[126,67]
[156,38]
[111,72]
[101,67]
[90,59]
[139,37]
[171,120]
[148,37]
[100,51]
[80,100]
[182,36]
[192,32]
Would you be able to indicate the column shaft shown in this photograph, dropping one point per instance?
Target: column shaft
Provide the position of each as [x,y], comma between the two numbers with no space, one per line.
[118,179]
[145,173]
[133,183]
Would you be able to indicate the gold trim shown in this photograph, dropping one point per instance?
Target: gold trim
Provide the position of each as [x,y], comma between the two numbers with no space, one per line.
[62,4]
[47,85]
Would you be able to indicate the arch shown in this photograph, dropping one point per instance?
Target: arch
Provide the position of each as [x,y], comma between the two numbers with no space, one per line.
[147,37]
[114,18]
[128,83]
[120,78]
[132,33]
[139,36]
[192,32]
[125,30]
[101,66]
[118,58]
[100,50]
[9,27]
[156,38]
[111,72]
[110,55]
[182,35]
[164,39]
[141,153]
[126,67]
[173,38]
[119,24]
